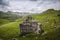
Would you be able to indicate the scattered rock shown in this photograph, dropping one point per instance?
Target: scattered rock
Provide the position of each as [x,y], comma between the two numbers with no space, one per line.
[23,36]
[44,33]
[47,22]
[58,15]
[14,39]
[1,39]
[36,37]
[55,26]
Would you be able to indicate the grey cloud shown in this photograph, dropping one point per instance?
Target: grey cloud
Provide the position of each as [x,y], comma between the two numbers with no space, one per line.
[47,2]
[43,4]
[24,0]
[33,0]
[4,3]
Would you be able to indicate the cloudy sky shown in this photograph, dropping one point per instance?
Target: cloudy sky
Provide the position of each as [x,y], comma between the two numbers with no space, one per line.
[34,6]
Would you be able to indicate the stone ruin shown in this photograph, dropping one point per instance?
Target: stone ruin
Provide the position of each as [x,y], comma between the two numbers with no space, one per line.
[30,25]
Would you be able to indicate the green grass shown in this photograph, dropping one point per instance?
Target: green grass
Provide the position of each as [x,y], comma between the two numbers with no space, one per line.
[10,30]
[6,17]
[49,20]
[50,24]
[4,21]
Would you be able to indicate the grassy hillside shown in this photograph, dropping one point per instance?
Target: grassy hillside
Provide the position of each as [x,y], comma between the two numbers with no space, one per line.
[50,20]
[4,21]
[6,17]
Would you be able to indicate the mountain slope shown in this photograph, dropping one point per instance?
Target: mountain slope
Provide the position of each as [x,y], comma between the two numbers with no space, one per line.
[50,20]
[6,17]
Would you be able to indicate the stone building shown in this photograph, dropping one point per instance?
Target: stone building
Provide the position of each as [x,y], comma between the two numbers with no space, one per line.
[30,26]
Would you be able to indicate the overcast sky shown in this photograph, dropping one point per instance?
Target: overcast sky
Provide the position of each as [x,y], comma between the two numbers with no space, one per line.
[34,6]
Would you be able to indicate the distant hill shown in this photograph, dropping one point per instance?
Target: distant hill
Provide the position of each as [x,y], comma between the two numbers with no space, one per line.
[50,20]
[6,17]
